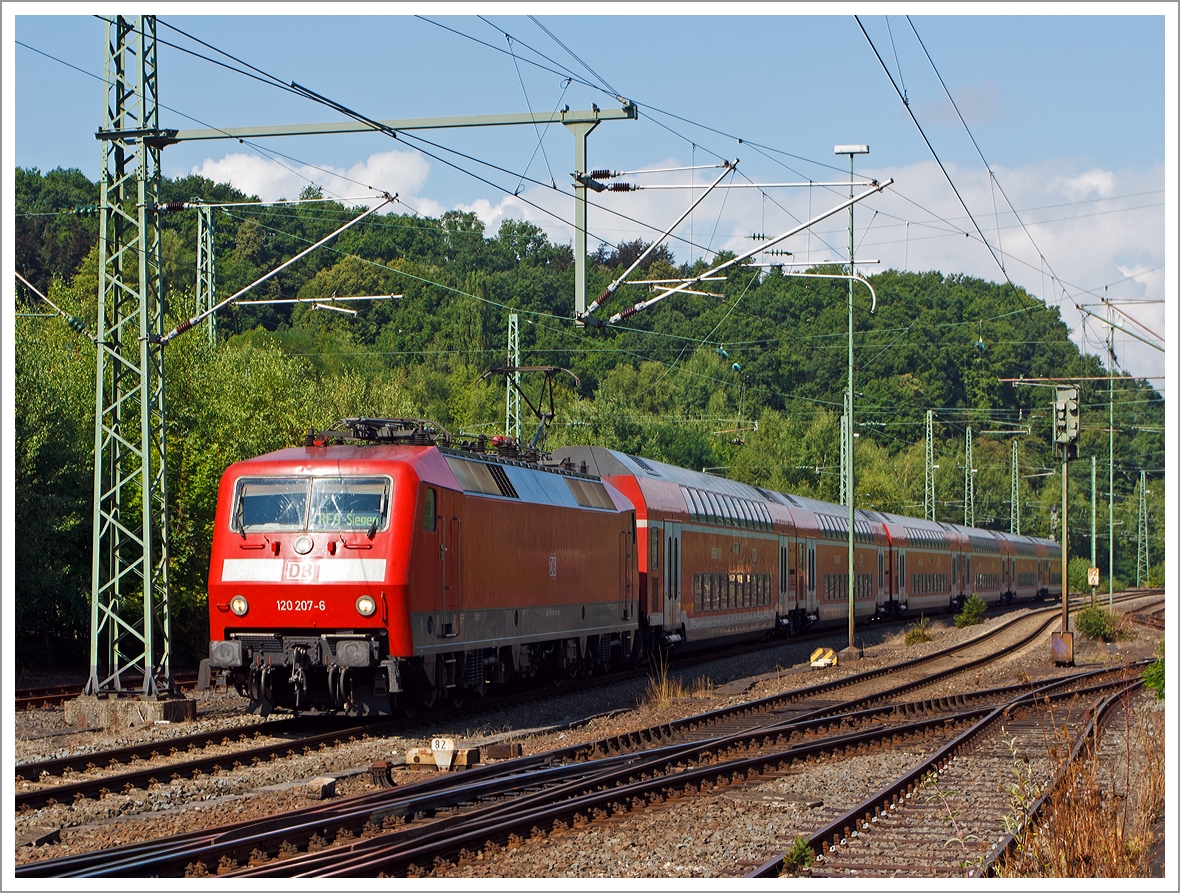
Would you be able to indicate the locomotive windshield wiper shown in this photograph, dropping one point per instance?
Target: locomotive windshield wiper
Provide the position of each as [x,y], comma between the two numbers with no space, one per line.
[241,519]
[377,520]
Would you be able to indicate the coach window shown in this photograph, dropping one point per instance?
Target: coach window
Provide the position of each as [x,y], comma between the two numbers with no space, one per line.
[728,511]
[429,510]
[654,560]
[714,509]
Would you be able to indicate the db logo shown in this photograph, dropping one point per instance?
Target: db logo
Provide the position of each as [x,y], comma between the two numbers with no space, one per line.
[299,572]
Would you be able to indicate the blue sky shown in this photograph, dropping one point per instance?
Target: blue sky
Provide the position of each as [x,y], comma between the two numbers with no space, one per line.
[1068,110]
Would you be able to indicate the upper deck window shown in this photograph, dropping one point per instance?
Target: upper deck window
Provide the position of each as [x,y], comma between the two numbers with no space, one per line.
[306,503]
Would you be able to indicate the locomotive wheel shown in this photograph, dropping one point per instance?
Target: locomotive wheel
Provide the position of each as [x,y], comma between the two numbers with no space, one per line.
[407,705]
[456,697]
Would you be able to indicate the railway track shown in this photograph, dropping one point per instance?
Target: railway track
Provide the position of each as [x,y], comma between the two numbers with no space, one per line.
[1149,617]
[439,817]
[309,831]
[949,816]
[180,757]
[858,690]
[715,726]
[55,695]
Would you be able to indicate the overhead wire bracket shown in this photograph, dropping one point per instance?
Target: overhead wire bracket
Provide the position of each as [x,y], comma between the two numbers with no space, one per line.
[643,305]
[585,319]
[188,324]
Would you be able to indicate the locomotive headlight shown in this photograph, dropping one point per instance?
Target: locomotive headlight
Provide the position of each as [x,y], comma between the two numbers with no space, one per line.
[365,606]
[239,605]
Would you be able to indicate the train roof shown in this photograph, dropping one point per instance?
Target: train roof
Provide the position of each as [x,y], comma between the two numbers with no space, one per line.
[603,462]
[606,462]
[503,477]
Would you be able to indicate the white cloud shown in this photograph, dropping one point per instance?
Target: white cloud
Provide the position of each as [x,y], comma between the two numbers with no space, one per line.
[404,173]
[1087,184]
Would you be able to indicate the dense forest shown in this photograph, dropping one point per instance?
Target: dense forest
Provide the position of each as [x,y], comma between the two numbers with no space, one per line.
[747,384]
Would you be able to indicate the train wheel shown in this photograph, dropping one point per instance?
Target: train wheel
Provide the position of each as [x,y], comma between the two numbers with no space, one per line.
[456,696]
[637,655]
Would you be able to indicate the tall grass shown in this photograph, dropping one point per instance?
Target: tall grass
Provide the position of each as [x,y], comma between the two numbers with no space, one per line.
[1092,828]
[664,690]
[919,632]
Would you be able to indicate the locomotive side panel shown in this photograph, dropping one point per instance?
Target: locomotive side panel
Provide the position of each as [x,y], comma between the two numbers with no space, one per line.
[512,572]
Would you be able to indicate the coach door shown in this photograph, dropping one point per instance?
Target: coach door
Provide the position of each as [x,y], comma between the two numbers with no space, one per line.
[673,617]
[812,603]
[626,577]
[450,529]
[787,592]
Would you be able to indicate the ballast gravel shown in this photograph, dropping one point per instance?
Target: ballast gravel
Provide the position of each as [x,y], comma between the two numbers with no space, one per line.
[721,833]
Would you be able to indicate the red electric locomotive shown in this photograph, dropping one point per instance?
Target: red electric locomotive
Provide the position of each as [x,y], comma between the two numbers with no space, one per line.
[383,563]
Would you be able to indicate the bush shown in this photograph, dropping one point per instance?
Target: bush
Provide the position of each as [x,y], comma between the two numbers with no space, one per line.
[972,613]
[917,633]
[799,857]
[1079,572]
[1155,576]
[1096,624]
[1153,676]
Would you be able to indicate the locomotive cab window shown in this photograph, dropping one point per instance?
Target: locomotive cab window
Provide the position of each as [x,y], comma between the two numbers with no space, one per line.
[270,504]
[348,503]
[336,503]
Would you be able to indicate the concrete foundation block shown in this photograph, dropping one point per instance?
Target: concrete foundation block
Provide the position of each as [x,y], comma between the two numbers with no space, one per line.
[320,788]
[848,655]
[115,713]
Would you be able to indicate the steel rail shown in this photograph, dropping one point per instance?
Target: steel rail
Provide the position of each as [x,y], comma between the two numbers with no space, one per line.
[243,840]
[540,811]
[886,799]
[1097,721]
[60,766]
[655,761]
[72,791]
[52,695]
[499,823]
[767,703]
[580,751]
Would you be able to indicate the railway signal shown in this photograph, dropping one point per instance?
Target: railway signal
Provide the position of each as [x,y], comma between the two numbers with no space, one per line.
[1066,424]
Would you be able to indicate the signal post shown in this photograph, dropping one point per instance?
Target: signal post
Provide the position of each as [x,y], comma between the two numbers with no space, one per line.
[1066,419]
